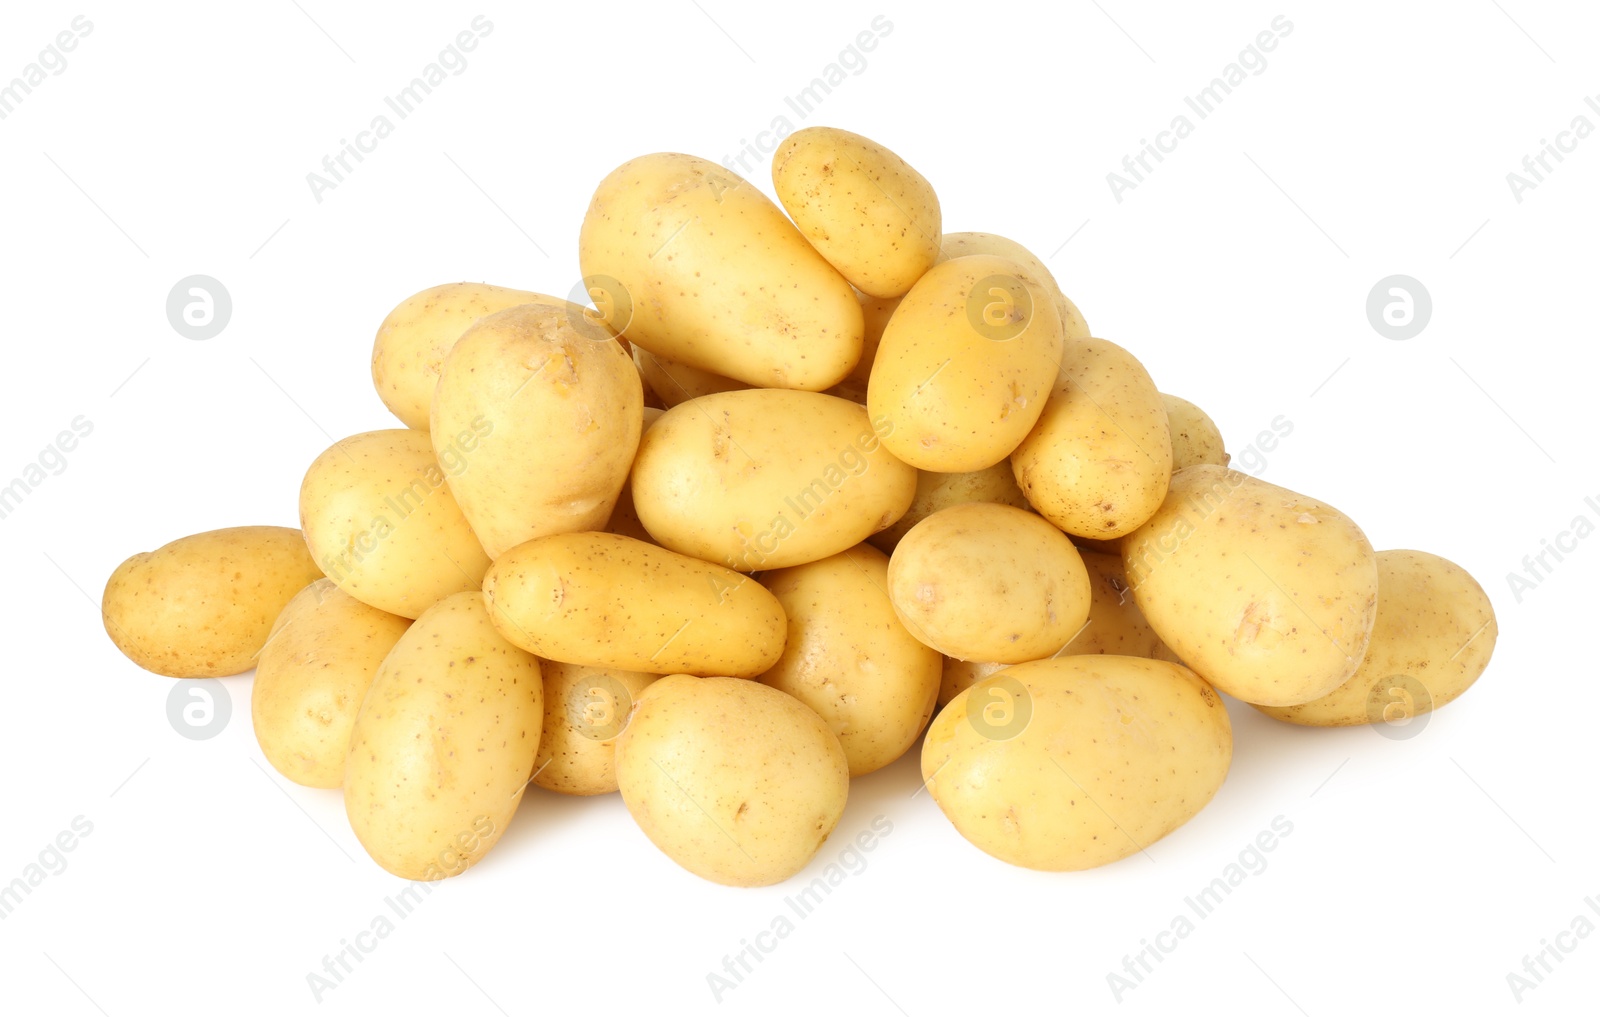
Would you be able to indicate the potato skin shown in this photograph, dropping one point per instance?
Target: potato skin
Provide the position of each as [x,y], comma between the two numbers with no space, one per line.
[1115,625]
[203,605]
[733,780]
[860,205]
[875,315]
[960,674]
[311,677]
[1267,594]
[937,491]
[960,245]
[585,708]
[675,383]
[605,600]
[1074,762]
[444,743]
[1435,631]
[850,659]
[710,273]
[1195,437]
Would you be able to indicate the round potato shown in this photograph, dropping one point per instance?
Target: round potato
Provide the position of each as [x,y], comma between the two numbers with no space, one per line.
[1075,762]
[849,658]
[585,708]
[960,245]
[1433,636]
[1267,594]
[380,518]
[733,780]
[864,208]
[989,582]
[1195,437]
[203,605]
[323,653]
[936,491]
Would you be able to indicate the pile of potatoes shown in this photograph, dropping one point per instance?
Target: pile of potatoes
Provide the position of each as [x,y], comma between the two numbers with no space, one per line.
[804,486]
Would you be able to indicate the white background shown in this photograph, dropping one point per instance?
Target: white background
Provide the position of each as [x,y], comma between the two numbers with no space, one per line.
[1376,141]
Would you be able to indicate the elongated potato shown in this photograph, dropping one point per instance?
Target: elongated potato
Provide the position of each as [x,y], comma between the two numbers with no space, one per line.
[203,605]
[585,708]
[1433,637]
[674,383]
[936,491]
[864,208]
[960,245]
[1267,594]
[444,743]
[965,364]
[1195,437]
[1075,762]
[1097,462]
[604,600]
[556,414]
[767,478]
[733,780]
[698,266]
[381,520]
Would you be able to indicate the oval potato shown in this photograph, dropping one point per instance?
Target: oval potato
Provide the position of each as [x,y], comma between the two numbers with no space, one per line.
[585,708]
[960,245]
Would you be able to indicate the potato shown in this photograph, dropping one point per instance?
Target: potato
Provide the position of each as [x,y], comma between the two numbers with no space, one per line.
[1195,438]
[585,708]
[936,491]
[960,245]
[875,315]
[380,518]
[701,268]
[965,365]
[604,600]
[1267,594]
[203,605]
[848,657]
[444,743]
[414,338]
[864,208]
[675,383]
[1433,636]
[1115,625]
[544,420]
[1074,762]
[1098,461]
[733,780]
[989,582]
[323,653]
[767,478]
[959,674]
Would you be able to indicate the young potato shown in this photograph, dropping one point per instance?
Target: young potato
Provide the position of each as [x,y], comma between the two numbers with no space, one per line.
[959,674]
[941,490]
[1268,594]
[543,420]
[675,383]
[1097,462]
[849,658]
[203,605]
[413,340]
[960,245]
[767,478]
[733,780]
[1433,637]
[864,208]
[989,582]
[605,600]
[1115,625]
[323,653]
[698,266]
[444,743]
[380,518]
[1195,437]
[585,708]
[875,315]
[1075,762]
[965,364]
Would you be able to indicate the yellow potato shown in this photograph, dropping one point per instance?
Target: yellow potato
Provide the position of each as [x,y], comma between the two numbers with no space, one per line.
[1115,625]
[959,674]
[989,582]
[675,383]
[864,208]
[414,338]
[444,743]
[585,708]
[1195,438]
[323,653]
[556,413]
[695,264]
[1267,594]
[960,245]
[767,478]
[379,517]
[849,658]
[875,315]
[1075,762]
[1433,637]
[604,600]
[965,365]
[203,605]
[941,490]
[733,780]
[1098,461]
